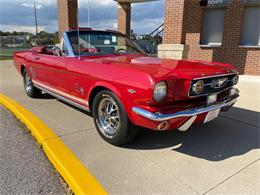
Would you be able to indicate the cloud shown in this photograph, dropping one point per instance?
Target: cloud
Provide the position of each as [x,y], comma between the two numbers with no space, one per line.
[12,28]
[31,5]
[150,25]
[95,3]
[19,15]
[152,10]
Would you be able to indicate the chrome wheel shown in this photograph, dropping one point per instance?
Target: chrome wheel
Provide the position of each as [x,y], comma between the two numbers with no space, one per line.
[28,84]
[108,115]
[111,119]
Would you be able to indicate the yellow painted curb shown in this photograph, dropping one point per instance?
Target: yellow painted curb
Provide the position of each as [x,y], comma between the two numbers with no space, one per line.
[66,163]
[38,129]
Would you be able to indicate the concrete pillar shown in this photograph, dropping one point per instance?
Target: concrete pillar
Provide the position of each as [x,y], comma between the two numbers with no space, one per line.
[174,30]
[67,15]
[124,17]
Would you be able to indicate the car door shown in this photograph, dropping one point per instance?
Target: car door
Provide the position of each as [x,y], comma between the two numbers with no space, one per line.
[33,65]
[80,80]
[50,72]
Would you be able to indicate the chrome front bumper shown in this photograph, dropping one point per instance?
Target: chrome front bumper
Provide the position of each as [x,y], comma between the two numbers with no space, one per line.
[185,113]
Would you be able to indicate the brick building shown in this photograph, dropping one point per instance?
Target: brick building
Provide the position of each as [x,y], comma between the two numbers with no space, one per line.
[214,30]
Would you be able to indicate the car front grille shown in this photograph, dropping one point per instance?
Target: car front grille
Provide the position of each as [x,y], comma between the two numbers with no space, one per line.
[213,84]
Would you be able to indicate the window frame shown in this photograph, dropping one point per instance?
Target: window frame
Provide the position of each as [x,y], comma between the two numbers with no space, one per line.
[241,45]
[202,26]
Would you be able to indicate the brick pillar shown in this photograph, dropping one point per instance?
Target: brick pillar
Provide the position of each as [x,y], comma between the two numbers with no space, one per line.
[124,18]
[174,30]
[67,15]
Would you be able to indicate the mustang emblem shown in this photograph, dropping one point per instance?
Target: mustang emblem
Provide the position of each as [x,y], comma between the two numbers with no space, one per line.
[220,83]
[80,89]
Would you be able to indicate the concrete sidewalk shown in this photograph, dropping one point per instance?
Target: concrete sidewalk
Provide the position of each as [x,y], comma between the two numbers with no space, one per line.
[218,157]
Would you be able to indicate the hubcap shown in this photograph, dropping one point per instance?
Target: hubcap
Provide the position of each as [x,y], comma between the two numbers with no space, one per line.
[28,84]
[108,115]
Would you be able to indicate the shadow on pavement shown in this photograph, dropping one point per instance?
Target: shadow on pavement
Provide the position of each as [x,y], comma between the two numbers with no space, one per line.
[46,96]
[76,108]
[214,141]
[234,133]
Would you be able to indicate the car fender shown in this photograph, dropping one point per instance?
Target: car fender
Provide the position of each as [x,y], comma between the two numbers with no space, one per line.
[115,90]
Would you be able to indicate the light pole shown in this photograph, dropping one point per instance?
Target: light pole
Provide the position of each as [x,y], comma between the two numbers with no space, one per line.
[36,23]
[35,16]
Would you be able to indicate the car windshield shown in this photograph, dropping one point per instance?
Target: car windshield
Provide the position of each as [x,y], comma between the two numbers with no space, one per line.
[100,42]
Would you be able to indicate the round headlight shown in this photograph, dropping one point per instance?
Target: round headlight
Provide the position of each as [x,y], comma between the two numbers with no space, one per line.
[235,80]
[198,86]
[160,91]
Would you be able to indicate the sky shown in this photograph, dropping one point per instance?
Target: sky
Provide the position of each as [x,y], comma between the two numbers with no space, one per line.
[18,15]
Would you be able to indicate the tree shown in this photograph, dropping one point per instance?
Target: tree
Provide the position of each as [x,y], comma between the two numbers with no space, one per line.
[43,34]
[14,33]
[56,37]
[44,41]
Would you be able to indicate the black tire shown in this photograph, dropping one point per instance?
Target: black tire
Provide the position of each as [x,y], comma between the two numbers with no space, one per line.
[32,91]
[126,131]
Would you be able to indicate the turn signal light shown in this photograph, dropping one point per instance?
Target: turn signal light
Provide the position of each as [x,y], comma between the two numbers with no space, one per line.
[163,126]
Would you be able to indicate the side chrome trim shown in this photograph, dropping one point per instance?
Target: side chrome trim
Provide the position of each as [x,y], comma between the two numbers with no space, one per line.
[68,96]
[60,97]
[185,113]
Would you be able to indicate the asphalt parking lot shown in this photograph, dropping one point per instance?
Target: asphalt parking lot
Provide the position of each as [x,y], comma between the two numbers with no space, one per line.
[24,167]
[222,156]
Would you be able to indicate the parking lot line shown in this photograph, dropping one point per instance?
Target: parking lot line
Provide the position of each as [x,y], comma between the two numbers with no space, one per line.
[66,163]
[230,177]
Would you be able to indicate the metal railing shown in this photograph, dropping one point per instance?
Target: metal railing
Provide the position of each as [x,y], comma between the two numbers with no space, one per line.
[158,31]
[10,44]
[150,41]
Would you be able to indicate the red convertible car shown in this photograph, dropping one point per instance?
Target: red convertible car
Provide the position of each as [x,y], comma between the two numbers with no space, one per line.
[106,73]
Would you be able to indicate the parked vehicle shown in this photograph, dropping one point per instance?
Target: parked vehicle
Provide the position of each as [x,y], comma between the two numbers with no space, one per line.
[110,76]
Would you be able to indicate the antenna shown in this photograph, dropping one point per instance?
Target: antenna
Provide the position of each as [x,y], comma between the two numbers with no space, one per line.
[89,22]
[78,32]
[88,13]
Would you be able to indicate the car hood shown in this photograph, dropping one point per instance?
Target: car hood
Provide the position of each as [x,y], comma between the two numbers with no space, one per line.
[158,67]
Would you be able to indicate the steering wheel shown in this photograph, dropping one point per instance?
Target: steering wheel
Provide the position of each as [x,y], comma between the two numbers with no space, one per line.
[56,51]
[121,49]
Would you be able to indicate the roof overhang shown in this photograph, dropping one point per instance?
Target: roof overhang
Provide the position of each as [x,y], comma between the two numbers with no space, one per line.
[133,1]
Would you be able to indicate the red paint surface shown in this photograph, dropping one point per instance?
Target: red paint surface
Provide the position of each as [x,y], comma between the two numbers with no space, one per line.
[119,73]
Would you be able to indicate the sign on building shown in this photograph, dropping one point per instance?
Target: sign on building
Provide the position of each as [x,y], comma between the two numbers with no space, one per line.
[214,2]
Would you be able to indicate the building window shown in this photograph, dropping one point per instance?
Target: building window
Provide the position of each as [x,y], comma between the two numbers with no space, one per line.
[251,27]
[213,26]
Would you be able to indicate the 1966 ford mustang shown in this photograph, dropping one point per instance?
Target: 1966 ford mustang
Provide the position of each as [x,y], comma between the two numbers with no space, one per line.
[110,76]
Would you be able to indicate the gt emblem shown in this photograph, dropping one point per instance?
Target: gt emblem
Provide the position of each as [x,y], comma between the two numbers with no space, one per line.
[220,83]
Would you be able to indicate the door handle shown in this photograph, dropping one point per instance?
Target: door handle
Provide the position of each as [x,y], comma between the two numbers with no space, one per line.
[36,58]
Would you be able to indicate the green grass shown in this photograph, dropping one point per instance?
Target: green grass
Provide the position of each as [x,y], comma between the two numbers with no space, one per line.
[7,54]
[5,58]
